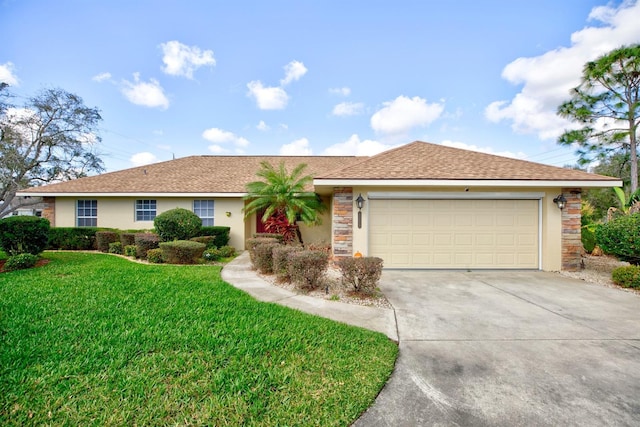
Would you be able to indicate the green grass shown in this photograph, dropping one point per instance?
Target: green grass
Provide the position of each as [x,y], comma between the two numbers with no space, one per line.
[92,339]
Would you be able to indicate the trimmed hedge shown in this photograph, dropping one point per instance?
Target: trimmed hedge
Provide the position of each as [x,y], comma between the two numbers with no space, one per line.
[214,254]
[72,238]
[116,248]
[306,268]
[263,256]
[220,232]
[105,238]
[177,224]
[182,251]
[20,262]
[127,239]
[627,277]
[155,256]
[144,242]
[280,237]
[209,241]
[281,255]
[361,273]
[131,250]
[621,237]
[24,234]
[252,243]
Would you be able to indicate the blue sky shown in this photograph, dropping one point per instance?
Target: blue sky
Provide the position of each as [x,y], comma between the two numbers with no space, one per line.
[179,78]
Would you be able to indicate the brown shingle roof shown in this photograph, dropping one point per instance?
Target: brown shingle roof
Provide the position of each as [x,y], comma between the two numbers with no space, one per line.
[425,161]
[195,174]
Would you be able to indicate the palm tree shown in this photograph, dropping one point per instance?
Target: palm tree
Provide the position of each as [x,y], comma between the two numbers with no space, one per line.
[284,195]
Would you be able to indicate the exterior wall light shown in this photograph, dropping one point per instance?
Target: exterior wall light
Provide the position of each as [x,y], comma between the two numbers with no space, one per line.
[360,204]
[228,214]
[561,201]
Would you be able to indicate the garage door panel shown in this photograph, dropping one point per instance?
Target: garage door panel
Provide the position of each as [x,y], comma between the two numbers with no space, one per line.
[455,233]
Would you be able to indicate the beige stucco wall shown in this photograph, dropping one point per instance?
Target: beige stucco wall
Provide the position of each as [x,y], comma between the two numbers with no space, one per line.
[551,229]
[119,212]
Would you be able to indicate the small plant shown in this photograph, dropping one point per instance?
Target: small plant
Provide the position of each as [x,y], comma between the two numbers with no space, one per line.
[131,250]
[24,234]
[146,241]
[263,257]
[334,297]
[20,262]
[182,251]
[227,251]
[116,248]
[155,256]
[361,273]
[211,254]
[306,268]
[177,224]
[105,238]
[281,256]
[627,276]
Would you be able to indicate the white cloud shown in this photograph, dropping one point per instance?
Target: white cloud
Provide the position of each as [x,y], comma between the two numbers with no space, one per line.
[354,147]
[268,98]
[403,113]
[299,147]
[220,136]
[7,74]
[342,91]
[547,79]
[262,126]
[487,150]
[144,158]
[148,94]
[101,77]
[294,70]
[348,109]
[182,60]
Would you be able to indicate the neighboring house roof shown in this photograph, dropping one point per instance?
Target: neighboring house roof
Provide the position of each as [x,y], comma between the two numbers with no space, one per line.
[188,175]
[421,161]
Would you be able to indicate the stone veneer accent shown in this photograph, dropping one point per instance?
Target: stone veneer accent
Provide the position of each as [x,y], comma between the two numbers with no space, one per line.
[342,222]
[572,230]
[49,210]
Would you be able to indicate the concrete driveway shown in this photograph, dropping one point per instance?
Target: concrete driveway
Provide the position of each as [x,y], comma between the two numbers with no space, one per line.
[510,348]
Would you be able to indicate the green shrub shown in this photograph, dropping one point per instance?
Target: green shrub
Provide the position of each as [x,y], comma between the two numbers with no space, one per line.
[252,243]
[182,251]
[155,256]
[144,242]
[115,248]
[24,234]
[220,232]
[20,262]
[209,241]
[588,239]
[131,250]
[177,224]
[72,238]
[227,251]
[104,238]
[306,268]
[127,239]
[281,256]
[627,277]
[211,254]
[361,273]
[263,256]
[621,237]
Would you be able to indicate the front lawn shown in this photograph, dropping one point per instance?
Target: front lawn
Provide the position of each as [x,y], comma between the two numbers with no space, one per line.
[93,339]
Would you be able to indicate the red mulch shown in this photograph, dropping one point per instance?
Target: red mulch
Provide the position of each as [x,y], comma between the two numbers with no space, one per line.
[41,262]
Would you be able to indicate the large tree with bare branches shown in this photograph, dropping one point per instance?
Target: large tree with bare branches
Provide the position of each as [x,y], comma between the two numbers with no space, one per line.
[606,106]
[52,137]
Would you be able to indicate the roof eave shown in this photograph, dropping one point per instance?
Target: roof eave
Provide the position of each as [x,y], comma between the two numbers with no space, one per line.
[466,183]
[112,194]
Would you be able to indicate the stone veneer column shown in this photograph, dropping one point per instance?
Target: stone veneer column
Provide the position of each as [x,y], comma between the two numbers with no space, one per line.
[342,222]
[49,210]
[572,230]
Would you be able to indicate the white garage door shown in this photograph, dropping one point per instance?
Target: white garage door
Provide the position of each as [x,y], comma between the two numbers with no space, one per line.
[454,233]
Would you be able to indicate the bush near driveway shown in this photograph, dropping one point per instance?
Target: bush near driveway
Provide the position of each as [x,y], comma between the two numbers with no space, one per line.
[627,276]
[361,273]
[92,339]
[620,237]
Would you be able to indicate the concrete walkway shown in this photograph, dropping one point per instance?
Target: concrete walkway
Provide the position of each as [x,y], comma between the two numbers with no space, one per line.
[240,274]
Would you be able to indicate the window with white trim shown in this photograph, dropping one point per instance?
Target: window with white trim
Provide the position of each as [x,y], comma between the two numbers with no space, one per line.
[87,213]
[204,209]
[145,210]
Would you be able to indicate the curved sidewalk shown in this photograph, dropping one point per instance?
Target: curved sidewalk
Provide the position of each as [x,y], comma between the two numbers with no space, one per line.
[240,274]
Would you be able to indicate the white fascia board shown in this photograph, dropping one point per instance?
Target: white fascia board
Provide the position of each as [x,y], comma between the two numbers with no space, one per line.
[155,195]
[462,183]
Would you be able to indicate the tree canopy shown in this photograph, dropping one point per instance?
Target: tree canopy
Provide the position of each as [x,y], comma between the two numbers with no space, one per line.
[606,107]
[52,137]
[280,192]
